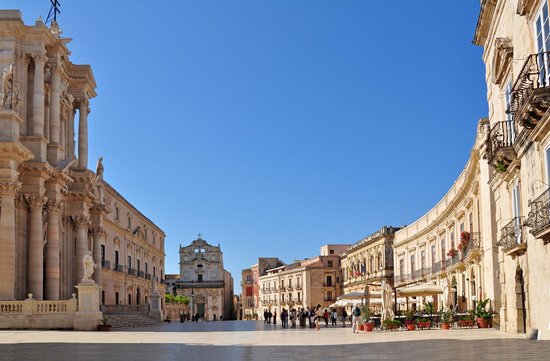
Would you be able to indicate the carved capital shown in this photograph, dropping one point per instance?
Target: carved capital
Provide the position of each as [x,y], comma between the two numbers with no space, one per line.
[54,206]
[81,103]
[80,221]
[36,201]
[98,232]
[20,201]
[9,187]
[40,58]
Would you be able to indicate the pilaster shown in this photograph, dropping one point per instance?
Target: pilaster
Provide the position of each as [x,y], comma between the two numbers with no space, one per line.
[8,189]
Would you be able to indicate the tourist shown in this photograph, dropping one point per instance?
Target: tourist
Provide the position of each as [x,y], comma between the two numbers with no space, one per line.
[318,317]
[326,317]
[182,317]
[333,316]
[269,315]
[275,317]
[214,317]
[344,316]
[355,316]
[284,318]
[311,317]
[265,316]
[197,317]
[293,318]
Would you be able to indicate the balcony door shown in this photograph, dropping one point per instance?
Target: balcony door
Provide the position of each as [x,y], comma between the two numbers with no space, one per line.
[516,212]
[542,36]
[510,134]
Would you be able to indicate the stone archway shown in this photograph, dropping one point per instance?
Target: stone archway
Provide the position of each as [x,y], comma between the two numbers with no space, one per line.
[521,311]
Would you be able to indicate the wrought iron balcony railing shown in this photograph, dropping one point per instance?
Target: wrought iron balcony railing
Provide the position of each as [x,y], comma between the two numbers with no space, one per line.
[119,268]
[105,263]
[531,91]
[512,240]
[499,144]
[538,218]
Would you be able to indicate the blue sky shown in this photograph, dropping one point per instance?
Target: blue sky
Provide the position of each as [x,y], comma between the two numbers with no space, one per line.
[274,127]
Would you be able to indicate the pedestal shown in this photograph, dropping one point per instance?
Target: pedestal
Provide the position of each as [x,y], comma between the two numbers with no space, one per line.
[88,315]
[155,310]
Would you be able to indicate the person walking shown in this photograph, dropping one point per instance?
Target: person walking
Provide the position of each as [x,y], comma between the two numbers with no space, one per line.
[344,317]
[265,316]
[326,316]
[275,317]
[293,318]
[356,315]
[333,316]
[284,318]
[303,316]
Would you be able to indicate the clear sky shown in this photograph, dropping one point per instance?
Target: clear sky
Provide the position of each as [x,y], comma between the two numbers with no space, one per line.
[274,127]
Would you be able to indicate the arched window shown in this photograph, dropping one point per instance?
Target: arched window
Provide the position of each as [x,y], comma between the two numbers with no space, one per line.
[371,265]
[379,261]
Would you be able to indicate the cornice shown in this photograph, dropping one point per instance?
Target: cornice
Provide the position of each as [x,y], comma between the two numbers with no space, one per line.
[484,20]
[15,150]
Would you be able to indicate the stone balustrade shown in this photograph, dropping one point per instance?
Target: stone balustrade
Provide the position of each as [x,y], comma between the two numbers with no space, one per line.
[45,314]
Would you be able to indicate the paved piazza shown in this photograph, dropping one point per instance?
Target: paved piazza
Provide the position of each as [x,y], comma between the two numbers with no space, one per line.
[250,340]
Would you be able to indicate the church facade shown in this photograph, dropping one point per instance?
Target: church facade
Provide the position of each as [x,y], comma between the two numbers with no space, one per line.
[53,209]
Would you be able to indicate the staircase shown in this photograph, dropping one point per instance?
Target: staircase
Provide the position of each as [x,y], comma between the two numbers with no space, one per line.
[130,320]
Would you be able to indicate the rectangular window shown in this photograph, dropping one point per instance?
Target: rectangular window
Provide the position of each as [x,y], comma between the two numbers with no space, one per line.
[103,252]
[329,264]
[129,265]
[423,259]
[329,295]
[452,239]
[433,254]
[516,212]
[199,277]
[413,263]
[117,298]
[138,265]
[542,35]
[329,281]
[116,258]
[401,266]
[443,253]
[146,268]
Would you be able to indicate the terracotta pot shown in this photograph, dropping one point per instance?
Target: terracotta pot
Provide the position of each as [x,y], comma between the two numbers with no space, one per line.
[368,326]
[361,328]
[482,323]
[411,327]
[104,327]
[445,326]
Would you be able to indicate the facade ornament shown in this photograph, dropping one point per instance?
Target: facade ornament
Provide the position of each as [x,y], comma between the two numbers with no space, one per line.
[36,201]
[55,29]
[89,265]
[80,221]
[54,206]
[98,232]
[40,58]
[9,187]
[9,96]
[20,201]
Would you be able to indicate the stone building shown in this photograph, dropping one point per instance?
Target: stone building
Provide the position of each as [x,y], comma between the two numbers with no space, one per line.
[204,280]
[53,209]
[444,247]
[251,307]
[514,35]
[369,261]
[303,283]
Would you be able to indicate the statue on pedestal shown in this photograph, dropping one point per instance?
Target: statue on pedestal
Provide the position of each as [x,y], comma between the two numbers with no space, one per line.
[8,95]
[98,179]
[89,265]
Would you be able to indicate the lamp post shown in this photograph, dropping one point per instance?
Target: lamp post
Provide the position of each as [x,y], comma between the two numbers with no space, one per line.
[192,297]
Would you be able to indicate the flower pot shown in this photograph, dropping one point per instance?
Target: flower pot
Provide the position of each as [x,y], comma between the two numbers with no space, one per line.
[411,327]
[445,326]
[104,327]
[368,326]
[361,328]
[482,322]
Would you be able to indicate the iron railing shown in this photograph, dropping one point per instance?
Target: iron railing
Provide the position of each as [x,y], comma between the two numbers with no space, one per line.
[534,75]
[511,234]
[105,263]
[538,218]
[119,268]
[501,136]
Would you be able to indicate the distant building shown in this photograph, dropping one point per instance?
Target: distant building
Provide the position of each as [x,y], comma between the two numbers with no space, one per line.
[304,283]
[249,285]
[204,280]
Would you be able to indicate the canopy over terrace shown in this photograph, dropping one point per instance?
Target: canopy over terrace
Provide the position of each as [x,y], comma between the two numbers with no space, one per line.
[421,290]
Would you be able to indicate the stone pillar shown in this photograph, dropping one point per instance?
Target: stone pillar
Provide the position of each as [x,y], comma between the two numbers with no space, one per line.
[53,264]
[70,143]
[21,247]
[83,133]
[54,149]
[8,188]
[99,238]
[36,247]
[38,95]
[81,225]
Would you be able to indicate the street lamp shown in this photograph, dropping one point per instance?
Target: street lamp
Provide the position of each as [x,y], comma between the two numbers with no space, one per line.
[192,297]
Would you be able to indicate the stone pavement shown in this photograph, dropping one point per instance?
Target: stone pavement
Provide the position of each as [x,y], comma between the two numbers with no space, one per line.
[251,340]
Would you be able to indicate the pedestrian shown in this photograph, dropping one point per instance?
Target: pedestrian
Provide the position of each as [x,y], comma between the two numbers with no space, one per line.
[269,315]
[311,317]
[293,318]
[265,316]
[284,318]
[325,317]
[333,316]
[318,317]
[344,317]
[182,317]
[356,314]
[275,317]
[197,317]
[303,316]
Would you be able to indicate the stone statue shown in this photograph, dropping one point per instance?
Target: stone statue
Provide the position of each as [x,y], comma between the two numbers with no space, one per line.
[387,309]
[99,178]
[154,285]
[8,96]
[446,297]
[89,265]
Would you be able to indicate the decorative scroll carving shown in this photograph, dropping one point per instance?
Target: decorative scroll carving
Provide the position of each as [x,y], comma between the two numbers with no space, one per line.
[502,60]
[80,221]
[98,232]
[54,206]
[9,187]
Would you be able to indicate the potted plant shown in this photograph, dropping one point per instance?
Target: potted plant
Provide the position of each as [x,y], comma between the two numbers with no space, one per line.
[483,318]
[104,325]
[452,252]
[423,323]
[368,325]
[446,316]
[391,324]
[410,322]
[466,321]
[429,308]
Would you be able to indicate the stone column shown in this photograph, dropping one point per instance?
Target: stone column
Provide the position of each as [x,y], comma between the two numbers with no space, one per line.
[21,247]
[8,188]
[36,247]
[54,149]
[99,235]
[38,95]
[53,264]
[81,225]
[70,142]
[83,133]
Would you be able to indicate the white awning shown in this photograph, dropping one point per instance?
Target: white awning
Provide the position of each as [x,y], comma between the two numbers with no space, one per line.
[424,289]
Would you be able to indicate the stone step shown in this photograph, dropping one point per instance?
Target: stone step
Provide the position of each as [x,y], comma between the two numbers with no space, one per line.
[130,320]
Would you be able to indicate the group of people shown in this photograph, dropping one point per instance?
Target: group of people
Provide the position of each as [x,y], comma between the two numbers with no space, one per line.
[312,316]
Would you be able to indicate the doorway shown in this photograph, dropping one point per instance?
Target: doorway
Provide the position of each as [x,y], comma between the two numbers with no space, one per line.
[520,302]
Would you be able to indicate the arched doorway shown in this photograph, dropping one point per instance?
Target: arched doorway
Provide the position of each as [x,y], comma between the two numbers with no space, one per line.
[138,296]
[520,302]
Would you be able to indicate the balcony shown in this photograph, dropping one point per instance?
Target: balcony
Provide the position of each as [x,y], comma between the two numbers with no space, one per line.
[119,268]
[531,91]
[131,271]
[328,284]
[500,145]
[539,217]
[105,264]
[512,240]
[329,299]
[289,288]
[141,274]
[148,276]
